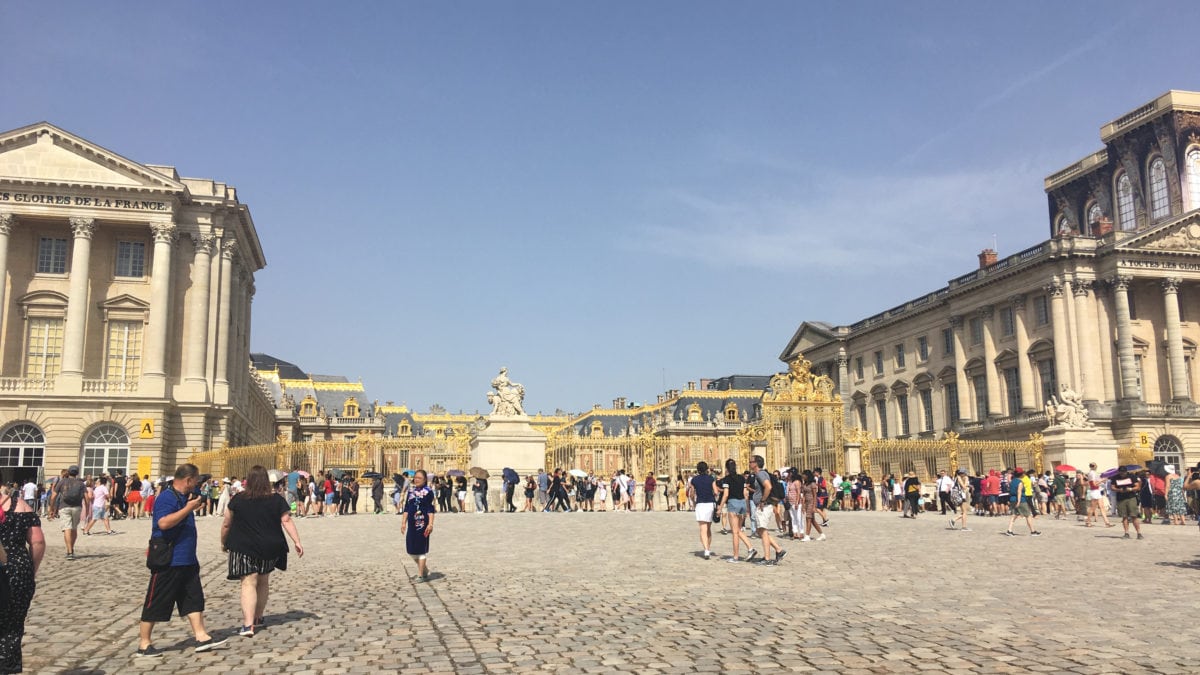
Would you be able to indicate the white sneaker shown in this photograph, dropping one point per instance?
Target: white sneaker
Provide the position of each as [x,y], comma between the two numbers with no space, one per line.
[806,538]
[822,537]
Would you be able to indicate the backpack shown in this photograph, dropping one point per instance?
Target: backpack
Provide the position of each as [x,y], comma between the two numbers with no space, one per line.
[776,491]
[71,491]
[956,494]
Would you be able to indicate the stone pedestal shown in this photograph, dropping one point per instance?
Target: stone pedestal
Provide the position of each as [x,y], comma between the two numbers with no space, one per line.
[508,442]
[1078,448]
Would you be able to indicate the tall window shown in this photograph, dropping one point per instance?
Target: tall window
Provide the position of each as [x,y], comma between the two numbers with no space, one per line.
[881,413]
[927,409]
[1046,379]
[976,328]
[1012,387]
[979,382]
[52,256]
[1041,310]
[861,409]
[1160,205]
[1125,217]
[947,341]
[1138,361]
[124,350]
[923,348]
[858,368]
[1008,323]
[105,450]
[1193,177]
[899,356]
[902,408]
[22,445]
[1094,215]
[131,259]
[43,353]
[952,412]
[879,363]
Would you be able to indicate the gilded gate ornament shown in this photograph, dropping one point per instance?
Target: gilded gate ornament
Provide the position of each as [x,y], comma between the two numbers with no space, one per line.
[800,384]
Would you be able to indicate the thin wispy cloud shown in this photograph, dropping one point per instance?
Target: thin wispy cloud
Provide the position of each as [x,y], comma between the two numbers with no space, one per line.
[969,119]
[848,224]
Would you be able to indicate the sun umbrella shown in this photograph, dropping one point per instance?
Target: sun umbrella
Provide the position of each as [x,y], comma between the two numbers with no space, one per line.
[372,474]
[477,472]
[578,473]
[455,473]
[1133,467]
[337,474]
[1157,467]
[275,475]
[1065,468]
[303,473]
[1110,473]
[511,476]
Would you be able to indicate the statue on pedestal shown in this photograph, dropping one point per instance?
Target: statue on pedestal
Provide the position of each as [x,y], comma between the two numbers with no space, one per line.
[1068,411]
[508,397]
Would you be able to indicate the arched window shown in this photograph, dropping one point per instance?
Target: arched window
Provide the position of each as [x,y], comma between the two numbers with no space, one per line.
[22,445]
[308,407]
[1193,177]
[1094,215]
[1160,204]
[350,407]
[1168,449]
[1125,216]
[105,450]
[1062,227]
[731,413]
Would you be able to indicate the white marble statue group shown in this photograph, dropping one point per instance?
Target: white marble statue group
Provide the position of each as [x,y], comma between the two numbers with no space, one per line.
[1068,410]
[508,397]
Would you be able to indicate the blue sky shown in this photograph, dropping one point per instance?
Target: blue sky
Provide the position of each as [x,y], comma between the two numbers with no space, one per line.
[605,197]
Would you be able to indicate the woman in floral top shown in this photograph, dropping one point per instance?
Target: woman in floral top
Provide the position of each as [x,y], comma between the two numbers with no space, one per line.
[418,521]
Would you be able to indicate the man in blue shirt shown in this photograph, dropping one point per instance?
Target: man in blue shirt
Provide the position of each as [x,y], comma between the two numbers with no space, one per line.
[702,490]
[177,585]
[543,482]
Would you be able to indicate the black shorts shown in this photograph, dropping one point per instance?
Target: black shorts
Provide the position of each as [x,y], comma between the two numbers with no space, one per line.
[173,587]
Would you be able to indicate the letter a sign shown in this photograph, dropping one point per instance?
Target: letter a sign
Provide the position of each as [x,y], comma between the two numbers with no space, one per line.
[147,429]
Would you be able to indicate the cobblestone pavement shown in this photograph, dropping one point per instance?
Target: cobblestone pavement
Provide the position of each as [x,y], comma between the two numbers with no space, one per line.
[621,592]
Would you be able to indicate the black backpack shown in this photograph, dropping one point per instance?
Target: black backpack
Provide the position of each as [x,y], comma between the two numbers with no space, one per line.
[776,491]
[71,491]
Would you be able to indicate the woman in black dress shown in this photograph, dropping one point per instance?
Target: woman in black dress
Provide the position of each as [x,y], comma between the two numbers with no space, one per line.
[252,533]
[23,546]
[418,521]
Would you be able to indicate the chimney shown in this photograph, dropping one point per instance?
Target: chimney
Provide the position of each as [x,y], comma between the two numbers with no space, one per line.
[621,403]
[692,386]
[660,398]
[987,258]
[595,406]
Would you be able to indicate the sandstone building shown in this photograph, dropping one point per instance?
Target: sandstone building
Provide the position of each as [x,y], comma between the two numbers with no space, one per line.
[1108,305]
[125,309]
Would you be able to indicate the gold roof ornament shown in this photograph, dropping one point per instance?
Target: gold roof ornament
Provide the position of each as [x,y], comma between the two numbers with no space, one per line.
[800,384]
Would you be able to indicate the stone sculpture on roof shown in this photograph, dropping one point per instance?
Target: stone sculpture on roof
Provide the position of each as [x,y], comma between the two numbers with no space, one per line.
[507,398]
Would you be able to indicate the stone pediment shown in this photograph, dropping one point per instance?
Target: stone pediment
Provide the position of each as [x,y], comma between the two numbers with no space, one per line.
[1183,236]
[44,155]
[810,335]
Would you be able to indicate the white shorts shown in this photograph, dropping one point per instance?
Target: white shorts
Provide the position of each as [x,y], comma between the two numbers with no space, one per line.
[1094,494]
[704,512]
[462,494]
[760,515]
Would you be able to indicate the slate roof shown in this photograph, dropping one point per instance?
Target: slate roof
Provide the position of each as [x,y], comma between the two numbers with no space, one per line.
[754,382]
[287,370]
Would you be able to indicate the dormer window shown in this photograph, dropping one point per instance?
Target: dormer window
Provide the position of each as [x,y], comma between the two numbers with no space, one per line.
[350,407]
[597,428]
[308,407]
[731,412]
[694,413]
[405,429]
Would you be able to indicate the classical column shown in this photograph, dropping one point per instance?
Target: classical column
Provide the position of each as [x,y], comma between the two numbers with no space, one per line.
[1085,337]
[960,372]
[228,250]
[6,224]
[1062,340]
[843,366]
[994,409]
[1179,383]
[77,299]
[197,326]
[1125,356]
[1024,368]
[160,299]
[1105,339]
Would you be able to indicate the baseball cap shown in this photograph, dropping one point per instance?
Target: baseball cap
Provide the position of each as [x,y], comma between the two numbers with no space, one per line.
[73,470]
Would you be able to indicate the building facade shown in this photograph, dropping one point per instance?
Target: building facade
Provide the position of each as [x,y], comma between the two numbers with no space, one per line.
[124,311]
[1107,307]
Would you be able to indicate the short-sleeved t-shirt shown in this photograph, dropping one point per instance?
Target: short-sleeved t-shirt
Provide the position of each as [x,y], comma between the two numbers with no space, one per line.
[703,486]
[255,530]
[292,479]
[760,480]
[183,534]
[735,484]
[99,496]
